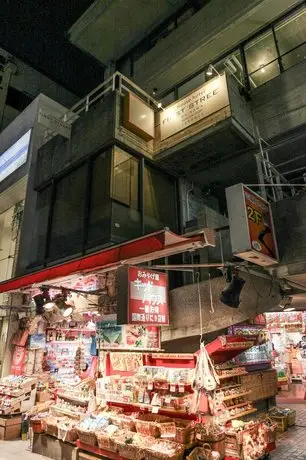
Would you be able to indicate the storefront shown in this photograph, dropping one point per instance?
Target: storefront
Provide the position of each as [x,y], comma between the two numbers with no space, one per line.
[89,370]
[287,330]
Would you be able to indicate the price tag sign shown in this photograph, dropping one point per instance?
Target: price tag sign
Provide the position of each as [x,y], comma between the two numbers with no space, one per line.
[155,410]
[172,388]
[168,399]
[150,386]
[181,389]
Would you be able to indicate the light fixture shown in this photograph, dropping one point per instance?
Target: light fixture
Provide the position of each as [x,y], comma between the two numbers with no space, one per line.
[262,69]
[289,309]
[209,71]
[154,91]
[159,105]
[231,295]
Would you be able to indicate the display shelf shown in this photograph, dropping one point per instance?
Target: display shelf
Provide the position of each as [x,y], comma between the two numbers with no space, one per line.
[77,341]
[229,386]
[242,414]
[223,377]
[68,412]
[237,395]
[96,450]
[74,399]
[226,347]
[239,405]
[148,408]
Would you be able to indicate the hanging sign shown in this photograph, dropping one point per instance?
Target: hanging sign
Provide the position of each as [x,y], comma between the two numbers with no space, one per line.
[54,124]
[142,297]
[251,226]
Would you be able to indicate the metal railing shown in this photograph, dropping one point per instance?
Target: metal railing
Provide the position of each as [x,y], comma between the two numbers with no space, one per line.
[116,82]
[273,184]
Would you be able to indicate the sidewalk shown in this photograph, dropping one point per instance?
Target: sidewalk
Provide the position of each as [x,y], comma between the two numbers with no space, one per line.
[291,445]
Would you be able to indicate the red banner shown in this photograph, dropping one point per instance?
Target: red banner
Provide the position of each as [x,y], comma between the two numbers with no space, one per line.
[147,297]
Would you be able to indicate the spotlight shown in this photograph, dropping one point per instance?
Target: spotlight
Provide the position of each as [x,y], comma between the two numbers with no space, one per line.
[231,295]
[209,71]
[154,91]
[159,105]
[262,69]
[68,312]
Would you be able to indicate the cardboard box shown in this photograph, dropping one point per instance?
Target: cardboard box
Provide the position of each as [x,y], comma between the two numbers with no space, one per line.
[10,421]
[42,396]
[50,447]
[9,432]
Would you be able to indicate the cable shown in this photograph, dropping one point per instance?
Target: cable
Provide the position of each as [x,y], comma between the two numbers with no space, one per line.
[197,276]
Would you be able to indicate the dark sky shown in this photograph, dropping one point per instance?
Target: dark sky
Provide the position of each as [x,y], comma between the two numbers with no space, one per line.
[36,32]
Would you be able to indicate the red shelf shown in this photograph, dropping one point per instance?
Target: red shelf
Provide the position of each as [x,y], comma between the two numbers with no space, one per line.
[132,407]
[226,347]
[98,451]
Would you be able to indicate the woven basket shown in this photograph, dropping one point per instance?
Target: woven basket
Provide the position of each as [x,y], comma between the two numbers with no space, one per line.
[124,422]
[36,426]
[270,430]
[151,454]
[185,431]
[130,451]
[147,424]
[87,437]
[50,426]
[105,441]
[67,434]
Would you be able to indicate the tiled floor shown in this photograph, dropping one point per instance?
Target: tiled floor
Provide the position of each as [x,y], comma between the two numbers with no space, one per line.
[291,445]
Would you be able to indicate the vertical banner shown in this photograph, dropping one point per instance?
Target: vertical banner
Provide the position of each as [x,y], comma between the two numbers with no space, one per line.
[142,297]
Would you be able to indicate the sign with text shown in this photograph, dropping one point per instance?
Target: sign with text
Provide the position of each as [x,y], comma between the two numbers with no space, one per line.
[204,101]
[15,156]
[251,226]
[142,297]
[54,124]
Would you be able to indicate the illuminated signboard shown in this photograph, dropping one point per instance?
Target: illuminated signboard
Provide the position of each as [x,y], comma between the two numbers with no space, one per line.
[142,297]
[251,226]
[15,156]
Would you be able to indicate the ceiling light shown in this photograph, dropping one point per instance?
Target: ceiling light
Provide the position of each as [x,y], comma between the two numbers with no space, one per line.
[159,105]
[209,71]
[262,69]
[289,309]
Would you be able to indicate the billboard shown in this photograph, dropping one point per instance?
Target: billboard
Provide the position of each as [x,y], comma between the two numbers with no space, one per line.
[15,156]
[251,226]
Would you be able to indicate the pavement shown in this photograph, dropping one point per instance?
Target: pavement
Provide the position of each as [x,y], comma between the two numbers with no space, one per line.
[291,445]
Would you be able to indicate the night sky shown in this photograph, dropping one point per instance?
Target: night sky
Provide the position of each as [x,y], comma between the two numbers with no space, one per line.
[36,31]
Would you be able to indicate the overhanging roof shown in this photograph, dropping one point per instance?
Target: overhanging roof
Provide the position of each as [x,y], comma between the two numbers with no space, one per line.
[153,246]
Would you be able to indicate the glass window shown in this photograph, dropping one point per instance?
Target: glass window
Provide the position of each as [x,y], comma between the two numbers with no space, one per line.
[261,57]
[68,215]
[125,178]
[99,218]
[291,32]
[159,201]
[191,84]
[168,99]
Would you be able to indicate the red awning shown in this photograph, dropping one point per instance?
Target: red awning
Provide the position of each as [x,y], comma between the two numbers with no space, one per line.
[151,247]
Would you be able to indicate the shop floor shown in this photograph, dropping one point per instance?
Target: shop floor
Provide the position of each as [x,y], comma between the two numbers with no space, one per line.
[291,445]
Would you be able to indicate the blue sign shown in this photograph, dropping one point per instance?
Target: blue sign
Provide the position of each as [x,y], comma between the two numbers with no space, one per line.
[15,156]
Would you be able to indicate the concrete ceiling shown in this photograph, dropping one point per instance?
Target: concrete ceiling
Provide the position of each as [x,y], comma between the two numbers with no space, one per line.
[109,28]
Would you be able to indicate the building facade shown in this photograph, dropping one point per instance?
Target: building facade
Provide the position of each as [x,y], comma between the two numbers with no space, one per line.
[204,97]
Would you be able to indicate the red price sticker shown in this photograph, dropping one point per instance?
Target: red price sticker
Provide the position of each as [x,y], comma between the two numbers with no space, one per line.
[172,388]
[155,410]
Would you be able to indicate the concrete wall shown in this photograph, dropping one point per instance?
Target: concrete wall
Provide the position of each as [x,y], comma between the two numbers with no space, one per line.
[280,104]
[216,28]
[31,82]
[93,130]
[258,295]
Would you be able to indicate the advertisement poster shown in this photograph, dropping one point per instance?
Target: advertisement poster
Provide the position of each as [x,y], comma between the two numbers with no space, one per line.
[147,297]
[260,224]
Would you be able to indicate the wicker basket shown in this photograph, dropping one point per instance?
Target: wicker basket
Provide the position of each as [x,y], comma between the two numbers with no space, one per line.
[105,441]
[50,426]
[36,426]
[130,451]
[291,417]
[270,430]
[281,422]
[185,431]
[67,433]
[147,424]
[151,454]
[199,452]
[87,437]
[124,422]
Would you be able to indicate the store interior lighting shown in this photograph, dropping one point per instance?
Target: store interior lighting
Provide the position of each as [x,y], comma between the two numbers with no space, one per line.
[231,295]
[211,70]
